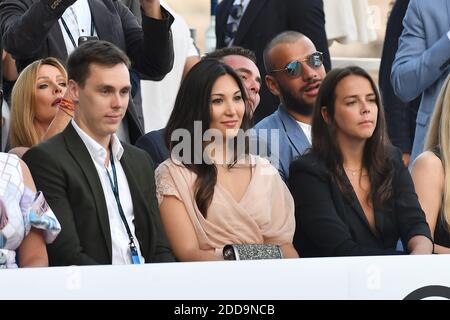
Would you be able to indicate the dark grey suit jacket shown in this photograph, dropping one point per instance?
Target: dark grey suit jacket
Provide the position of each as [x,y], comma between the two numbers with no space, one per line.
[31,31]
[64,171]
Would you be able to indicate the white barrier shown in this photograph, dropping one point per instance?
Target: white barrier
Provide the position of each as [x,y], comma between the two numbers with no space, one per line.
[324,278]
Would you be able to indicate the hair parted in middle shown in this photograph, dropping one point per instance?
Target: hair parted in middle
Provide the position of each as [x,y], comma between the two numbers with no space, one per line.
[324,143]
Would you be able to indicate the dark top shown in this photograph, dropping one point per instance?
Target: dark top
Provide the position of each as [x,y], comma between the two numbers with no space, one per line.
[153,143]
[400,116]
[441,232]
[330,224]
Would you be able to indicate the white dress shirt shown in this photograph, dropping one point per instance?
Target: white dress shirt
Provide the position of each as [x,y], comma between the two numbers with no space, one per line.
[306,130]
[79,22]
[119,237]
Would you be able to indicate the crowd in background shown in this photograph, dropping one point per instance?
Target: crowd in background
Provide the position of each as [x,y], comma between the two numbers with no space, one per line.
[260,142]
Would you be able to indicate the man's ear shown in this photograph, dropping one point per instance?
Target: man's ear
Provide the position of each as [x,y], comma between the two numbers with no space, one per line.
[324,112]
[73,91]
[272,84]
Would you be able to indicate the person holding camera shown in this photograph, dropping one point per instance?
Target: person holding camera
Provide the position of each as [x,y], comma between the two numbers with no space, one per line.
[51,28]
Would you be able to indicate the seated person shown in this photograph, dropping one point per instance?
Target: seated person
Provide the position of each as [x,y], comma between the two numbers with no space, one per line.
[353,195]
[210,193]
[36,109]
[26,221]
[428,172]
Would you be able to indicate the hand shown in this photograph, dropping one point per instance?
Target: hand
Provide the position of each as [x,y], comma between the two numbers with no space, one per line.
[405,158]
[151,8]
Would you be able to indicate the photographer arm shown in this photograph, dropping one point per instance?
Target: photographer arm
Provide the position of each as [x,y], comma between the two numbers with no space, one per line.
[25,26]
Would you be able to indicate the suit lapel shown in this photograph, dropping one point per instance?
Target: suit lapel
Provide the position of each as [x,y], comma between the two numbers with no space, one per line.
[295,134]
[356,206]
[80,154]
[250,14]
[140,209]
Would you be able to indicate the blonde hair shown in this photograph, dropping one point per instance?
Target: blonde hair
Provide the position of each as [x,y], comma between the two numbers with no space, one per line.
[23,104]
[438,136]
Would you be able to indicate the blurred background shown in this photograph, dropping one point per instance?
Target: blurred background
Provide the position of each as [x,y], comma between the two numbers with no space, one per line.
[196,13]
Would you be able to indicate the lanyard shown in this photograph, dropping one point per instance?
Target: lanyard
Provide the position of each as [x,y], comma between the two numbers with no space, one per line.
[70,33]
[115,188]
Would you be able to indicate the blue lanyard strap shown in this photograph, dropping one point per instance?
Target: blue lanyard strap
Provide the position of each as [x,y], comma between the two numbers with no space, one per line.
[115,188]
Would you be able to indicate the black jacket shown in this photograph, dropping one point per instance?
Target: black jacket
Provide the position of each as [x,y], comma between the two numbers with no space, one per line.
[329,224]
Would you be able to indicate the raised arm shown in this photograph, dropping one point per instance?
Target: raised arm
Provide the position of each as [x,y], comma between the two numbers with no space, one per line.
[25,25]
[150,48]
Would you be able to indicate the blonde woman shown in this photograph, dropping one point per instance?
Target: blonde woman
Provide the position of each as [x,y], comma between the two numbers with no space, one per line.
[35,99]
[428,172]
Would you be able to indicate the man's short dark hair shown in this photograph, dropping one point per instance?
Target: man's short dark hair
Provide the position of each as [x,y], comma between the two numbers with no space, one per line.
[96,51]
[219,54]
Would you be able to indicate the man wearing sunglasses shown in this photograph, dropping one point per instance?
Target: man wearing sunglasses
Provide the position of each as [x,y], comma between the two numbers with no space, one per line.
[251,24]
[294,73]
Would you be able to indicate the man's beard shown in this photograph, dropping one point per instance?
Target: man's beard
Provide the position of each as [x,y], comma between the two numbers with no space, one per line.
[297,105]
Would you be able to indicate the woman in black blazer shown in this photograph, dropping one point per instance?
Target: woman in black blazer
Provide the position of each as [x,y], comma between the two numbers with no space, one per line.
[353,195]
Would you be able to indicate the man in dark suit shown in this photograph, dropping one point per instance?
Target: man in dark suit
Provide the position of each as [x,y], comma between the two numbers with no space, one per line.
[32,29]
[400,116]
[101,190]
[261,20]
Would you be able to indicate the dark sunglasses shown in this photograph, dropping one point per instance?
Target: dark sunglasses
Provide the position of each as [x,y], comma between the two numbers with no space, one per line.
[295,68]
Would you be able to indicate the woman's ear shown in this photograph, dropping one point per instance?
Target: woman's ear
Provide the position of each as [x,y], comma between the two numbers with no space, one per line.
[324,112]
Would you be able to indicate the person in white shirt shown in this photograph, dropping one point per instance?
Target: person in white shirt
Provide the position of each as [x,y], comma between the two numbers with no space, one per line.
[294,73]
[102,190]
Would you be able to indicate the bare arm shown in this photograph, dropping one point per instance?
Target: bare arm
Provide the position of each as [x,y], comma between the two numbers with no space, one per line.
[289,251]
[428,177]
[420,245]
[151,8]
[32,251]
[181,233]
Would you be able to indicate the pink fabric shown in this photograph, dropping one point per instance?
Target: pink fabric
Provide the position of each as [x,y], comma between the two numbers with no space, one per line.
[265,214]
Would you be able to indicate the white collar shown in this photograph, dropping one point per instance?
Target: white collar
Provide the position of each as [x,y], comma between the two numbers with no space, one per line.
[97,152]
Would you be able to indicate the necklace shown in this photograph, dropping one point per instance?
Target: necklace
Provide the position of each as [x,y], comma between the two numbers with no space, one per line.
[353,172]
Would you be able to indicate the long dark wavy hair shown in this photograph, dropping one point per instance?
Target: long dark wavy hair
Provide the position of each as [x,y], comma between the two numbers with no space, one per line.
[193,103]
[376,159]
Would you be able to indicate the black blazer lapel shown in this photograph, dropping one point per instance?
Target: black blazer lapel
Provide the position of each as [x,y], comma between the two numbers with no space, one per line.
[250,14]
[356,206]
[79,152]
[140,210]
